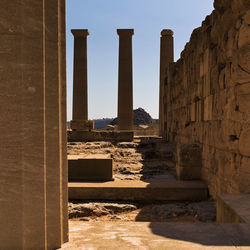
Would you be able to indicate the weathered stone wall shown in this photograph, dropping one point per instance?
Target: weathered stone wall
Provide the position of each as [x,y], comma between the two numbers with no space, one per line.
[208,96]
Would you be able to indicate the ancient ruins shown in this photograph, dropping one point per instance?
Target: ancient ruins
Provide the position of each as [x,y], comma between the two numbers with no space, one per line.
[166,57]
[125,80]
[81,127]
[80,120]
[83,188]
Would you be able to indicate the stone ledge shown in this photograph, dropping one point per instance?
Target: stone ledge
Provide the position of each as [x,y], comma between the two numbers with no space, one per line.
[139,190]
[233,208]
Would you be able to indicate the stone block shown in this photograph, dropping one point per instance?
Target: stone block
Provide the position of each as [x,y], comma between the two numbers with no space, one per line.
[244,143]
[243,97]
[90,169]
[189,161]
[208,108]
[137,190]
[233,208]
[82,125]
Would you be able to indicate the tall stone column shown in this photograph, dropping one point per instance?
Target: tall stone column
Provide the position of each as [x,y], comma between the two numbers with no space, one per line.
[166,57]
[80,81]
[33,165]
[125,80]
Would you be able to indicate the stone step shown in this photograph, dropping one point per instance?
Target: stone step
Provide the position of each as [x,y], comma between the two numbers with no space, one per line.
[155,190]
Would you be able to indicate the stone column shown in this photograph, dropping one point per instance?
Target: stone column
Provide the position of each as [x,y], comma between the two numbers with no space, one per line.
[166,57]
[125,80]
[80,82]
[33,119]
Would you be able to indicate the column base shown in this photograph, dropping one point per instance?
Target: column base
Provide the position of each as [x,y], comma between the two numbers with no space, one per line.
[84,125]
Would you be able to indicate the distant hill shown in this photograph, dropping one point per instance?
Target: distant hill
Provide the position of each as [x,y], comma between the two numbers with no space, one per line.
[101,123]
[141,117]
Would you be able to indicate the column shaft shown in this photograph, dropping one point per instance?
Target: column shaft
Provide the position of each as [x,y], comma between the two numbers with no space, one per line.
[80,81]
[63,118]
[125,80]
[166,57]
[31,149]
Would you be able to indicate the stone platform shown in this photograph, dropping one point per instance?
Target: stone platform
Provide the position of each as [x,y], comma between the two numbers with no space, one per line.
[233,208]
[155,190]
[157,235]
[95,135]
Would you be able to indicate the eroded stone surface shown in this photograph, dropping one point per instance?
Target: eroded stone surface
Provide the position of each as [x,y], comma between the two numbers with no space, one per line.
[208,96]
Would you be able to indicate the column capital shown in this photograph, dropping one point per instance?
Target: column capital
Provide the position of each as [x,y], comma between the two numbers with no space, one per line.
[125,32]
[80,32]
[167,32]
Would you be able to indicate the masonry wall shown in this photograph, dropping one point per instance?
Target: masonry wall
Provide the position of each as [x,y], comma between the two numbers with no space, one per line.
[208,96]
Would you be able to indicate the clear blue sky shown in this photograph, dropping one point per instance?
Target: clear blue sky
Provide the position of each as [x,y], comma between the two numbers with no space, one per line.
[147,18]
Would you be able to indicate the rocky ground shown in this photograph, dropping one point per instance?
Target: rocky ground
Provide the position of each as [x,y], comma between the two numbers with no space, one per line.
[113,211]
[133,161]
